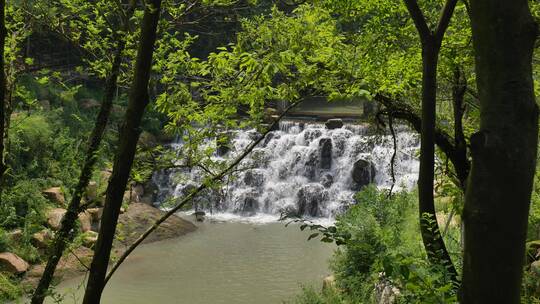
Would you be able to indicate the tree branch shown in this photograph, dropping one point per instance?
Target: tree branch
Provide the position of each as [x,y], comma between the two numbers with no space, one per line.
[195,192]
[419,19]
[446,15]
[443,140]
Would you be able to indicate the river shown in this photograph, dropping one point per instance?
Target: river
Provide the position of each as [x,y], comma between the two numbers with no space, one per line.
[222,262]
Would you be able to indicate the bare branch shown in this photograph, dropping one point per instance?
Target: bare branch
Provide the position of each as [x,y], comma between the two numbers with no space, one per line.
[195,192]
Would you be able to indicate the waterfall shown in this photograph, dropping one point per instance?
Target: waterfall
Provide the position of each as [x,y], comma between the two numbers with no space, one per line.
[303,168]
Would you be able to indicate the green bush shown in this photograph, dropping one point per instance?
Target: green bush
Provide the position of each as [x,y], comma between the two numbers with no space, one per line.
[384,247]
[8,289]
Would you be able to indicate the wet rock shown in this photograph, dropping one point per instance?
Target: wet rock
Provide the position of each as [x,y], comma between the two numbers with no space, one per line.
[12,263]
[254,178]
[251,205]
[55,195]
[310,198]
[334,123]
[327,180]
[363,173]
[311,134]
[325,146]
[268,138]
[311,164]
[199,216]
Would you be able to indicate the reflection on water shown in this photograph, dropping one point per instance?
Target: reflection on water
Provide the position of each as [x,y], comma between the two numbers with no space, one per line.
[219,263]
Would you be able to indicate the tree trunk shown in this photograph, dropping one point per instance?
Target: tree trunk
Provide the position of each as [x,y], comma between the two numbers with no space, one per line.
[431,235]
[503,151]
[65,234]
[431,44]
[459,86]
[3,33]
[129,135]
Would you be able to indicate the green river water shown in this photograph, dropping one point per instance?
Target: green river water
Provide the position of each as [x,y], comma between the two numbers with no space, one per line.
[220,263]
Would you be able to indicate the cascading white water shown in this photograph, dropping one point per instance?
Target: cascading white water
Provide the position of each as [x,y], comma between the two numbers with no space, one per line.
[303,168]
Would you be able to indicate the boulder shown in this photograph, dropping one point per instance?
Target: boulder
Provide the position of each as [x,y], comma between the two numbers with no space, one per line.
[42,239]
[254,178]
[85,219]
[199,216]
[55,195]
[139,217]
[325,146]
[95,214]
[309,199]
[334,123]
[137,192]
[91,191]
[12,263]
[327,180]
[251,205]
[105,175]
[89,239]
[328,283]
[363,173]
[55,215]
[89,103]
[147,140]
[54,218]
[15,235]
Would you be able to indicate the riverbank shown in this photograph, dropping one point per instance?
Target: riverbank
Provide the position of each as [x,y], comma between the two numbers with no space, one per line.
[132,223]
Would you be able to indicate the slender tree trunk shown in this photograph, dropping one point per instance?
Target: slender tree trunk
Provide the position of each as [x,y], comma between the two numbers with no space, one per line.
[458,93]
[65,234]
[3,33]
[503,151]
[431,44]
[129,135]
[429,227]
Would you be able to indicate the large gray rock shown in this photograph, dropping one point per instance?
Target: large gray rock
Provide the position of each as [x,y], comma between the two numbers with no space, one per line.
[310,198]
[55,195]
[12,263]
[334,123]
[42,239]
[254,178]
[363,173]
[327,180]
[139,217]
[251,205]
[325,146]
[91,191]
[54,217]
